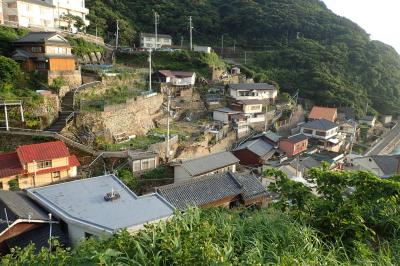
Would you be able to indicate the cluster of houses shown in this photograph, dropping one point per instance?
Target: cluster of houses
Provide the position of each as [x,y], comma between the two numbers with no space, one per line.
[43,15]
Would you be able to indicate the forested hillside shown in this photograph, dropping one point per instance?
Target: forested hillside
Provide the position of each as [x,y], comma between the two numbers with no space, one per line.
[302,45]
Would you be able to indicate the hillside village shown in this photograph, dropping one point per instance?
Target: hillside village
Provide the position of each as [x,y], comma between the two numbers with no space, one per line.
[140,132]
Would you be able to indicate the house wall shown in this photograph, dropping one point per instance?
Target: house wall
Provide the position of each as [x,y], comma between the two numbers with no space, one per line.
[139,165]
[28,14]
[258,95]
[225,202]
[61,64]
[246,157]
[292,149]
[329,134]
[252,108]
[221,116]
[189,81]
[76,233]
[148,42]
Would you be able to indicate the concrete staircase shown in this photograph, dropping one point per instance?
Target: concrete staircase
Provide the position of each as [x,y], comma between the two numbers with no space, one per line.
[67,109]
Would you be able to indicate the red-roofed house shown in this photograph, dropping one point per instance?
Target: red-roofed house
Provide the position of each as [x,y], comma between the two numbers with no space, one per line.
[37,165]
[318,112]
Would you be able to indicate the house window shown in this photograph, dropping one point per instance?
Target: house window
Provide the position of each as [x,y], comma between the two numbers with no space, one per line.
[13,18]
[56,175]
[12,5]
[88,235]
[41,65]
[255,107]
[36,49]
[1,185]
[320,133]
[307,131]
[43,164]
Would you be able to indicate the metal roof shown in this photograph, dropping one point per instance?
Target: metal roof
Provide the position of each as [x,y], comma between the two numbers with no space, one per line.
[320,124]
[252,86]
[42,151]
[297,138]
[319,112]
[257,146]
[18,206]
[205,190]
[227,110]
[143,34]
[82,201]
[209,163]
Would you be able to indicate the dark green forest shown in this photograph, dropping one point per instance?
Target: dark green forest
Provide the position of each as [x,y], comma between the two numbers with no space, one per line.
[300,44]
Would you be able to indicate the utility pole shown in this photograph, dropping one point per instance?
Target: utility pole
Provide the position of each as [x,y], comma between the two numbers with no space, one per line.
[168,122]
[6,117]
[191,33]
[245,57]
[266,118]
[50,231]
[150,71]
[156,18]
[222,46]
[181,41]
[116,37]
[234,46]
[96,32]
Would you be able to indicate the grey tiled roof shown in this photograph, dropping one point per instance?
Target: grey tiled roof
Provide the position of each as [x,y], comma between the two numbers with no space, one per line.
[257,146]
[82,201]
[36,37]
[18,206]
[205,190]
[209,163]
[387,163]
[252,86]
[320,124]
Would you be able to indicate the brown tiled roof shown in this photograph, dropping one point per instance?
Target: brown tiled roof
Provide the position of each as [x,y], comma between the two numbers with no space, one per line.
[327,113]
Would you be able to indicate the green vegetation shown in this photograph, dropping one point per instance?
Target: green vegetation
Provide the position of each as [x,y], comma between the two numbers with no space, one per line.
[300,44]
[82,47]
[8,35]
[126,176]
[177,60]
[160,172]
[13,185]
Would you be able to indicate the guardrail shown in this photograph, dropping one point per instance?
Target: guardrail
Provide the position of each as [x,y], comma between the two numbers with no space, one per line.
[69,118]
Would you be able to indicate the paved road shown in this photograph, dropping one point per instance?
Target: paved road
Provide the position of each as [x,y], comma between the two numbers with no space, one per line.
[388,140]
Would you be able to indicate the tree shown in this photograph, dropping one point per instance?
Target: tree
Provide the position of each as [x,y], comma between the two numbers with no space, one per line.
[13,184]
[127,177]
[10,72]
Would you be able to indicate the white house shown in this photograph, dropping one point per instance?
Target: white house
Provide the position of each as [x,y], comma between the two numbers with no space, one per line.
[224,114]
[143,161]
[29,13]
[100,206]
[320,129]
[369,120]
[202,49]
[73,7]
[214,163]
[148,40]
[253,91]
[175,78]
